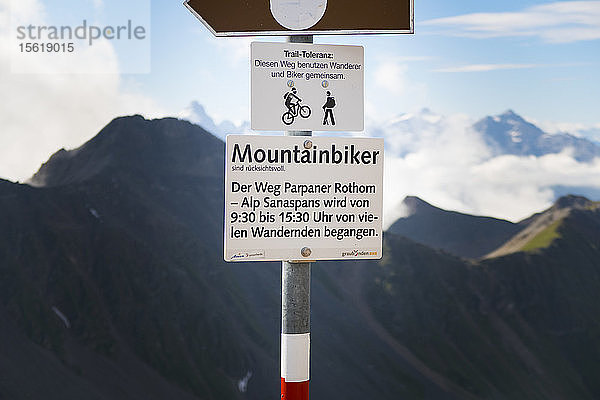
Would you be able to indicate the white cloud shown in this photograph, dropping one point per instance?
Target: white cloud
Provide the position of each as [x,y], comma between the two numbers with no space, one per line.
[442,160]
[391,72]
[485,67]
[390,87]
[43,112]
[558,22]
[391,76]
[32,10]
[590,132]
[405,59]
[236,49]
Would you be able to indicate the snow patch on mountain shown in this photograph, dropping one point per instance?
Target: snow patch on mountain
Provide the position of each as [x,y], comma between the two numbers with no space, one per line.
[243,383]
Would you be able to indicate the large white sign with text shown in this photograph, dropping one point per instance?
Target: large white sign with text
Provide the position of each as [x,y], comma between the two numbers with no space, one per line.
[303,198]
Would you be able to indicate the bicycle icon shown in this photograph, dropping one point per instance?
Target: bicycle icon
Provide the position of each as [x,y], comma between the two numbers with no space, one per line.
[296,109]
[292,102]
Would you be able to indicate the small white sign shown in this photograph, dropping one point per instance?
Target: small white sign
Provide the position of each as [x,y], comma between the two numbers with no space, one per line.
[307,87]
[303,198]
[298,15]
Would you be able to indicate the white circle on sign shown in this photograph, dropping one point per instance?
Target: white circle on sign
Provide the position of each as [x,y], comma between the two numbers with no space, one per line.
[298,14]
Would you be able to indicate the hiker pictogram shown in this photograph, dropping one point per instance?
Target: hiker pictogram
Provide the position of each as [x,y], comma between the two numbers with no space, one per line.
[328,109]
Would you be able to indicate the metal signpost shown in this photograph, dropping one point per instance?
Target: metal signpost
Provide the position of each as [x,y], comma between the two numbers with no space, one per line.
[295,311]
[293,198]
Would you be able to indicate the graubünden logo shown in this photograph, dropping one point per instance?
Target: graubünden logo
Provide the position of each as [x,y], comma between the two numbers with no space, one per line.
[358,253]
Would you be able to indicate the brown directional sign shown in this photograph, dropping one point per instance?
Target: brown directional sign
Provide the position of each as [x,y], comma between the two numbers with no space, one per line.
[254,17]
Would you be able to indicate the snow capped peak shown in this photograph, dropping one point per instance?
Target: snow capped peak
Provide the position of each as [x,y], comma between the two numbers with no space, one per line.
[425,116]
[512,118]
[509,133]
[196,114]
[198,108]
[509,114]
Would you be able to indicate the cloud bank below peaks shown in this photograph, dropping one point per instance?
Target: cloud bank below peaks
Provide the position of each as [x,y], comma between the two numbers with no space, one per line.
[447,162]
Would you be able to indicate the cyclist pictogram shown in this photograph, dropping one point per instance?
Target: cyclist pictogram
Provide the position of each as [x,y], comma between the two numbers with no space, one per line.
[292,102]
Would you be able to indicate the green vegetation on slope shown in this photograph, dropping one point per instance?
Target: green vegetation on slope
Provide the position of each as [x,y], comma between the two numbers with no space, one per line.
[544,238]
[522,326]
[594,205]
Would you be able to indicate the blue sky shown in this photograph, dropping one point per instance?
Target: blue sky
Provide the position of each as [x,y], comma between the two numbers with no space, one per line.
[466,60]
[448,66]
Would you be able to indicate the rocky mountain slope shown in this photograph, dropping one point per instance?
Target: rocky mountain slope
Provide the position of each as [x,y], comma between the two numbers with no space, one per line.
[525,325]
[542,229]
[112,268]
[460,234]
[112,286]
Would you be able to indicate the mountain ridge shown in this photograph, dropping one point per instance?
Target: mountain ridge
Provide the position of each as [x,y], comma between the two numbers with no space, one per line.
[131,255]
[196,114]
[541,229]
[509,133]
[504,133]
[476,237]
[460,234]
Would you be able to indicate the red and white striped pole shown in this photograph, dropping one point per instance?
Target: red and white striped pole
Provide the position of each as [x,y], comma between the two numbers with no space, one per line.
[295,312]
[295,331]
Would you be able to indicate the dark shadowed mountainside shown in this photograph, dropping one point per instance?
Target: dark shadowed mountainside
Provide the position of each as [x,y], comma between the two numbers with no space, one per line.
[112,286]
[460,234]
[112,270]
[114,241]
[540,230]
[522,326]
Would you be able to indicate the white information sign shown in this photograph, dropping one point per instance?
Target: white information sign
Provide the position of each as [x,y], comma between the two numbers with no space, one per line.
[307,87]
[303,198]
